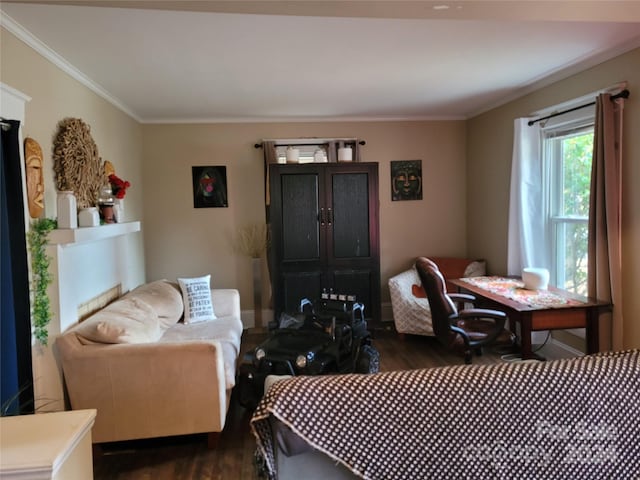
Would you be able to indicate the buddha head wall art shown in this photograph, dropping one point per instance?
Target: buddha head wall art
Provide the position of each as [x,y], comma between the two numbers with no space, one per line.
[406,180]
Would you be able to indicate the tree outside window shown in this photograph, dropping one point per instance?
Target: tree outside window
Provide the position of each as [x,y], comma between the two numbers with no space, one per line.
[569,156]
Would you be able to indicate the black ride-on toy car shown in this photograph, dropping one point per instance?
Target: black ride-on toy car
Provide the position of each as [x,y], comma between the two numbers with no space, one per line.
[328,336]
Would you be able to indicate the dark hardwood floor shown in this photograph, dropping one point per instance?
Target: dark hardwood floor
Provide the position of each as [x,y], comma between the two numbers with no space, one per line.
[187,457]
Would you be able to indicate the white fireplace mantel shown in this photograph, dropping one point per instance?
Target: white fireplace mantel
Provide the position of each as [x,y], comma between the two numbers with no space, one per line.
[84,263]
[67,236]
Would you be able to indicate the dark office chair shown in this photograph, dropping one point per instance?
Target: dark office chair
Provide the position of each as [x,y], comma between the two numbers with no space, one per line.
[467,330]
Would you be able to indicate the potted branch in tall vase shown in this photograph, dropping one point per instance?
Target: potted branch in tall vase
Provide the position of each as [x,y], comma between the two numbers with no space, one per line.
[251,241]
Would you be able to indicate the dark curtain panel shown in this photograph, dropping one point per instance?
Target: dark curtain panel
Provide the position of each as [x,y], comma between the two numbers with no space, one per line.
[269,150]
[17,376]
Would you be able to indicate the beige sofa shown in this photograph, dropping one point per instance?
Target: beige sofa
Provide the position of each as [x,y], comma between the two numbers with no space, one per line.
[148,373]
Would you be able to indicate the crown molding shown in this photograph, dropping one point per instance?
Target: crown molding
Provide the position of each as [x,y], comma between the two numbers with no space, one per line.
[23,97]
[40,47]
[390,118]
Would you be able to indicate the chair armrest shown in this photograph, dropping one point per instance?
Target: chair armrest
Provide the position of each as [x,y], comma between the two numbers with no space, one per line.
[462,297]
[497,315]
[481,313]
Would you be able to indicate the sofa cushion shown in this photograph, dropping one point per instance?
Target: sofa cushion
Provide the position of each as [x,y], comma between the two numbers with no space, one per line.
[165,299]
[127,320]
[227,331]
[196,295]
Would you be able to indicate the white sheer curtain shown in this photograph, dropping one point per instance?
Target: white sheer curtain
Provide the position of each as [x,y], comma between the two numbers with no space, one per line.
[527,245]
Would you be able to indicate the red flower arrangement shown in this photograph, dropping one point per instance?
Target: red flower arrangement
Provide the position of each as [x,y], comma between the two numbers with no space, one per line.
[118,186]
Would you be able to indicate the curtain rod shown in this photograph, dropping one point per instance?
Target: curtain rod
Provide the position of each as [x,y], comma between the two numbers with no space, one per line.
[310,141]
[623,94]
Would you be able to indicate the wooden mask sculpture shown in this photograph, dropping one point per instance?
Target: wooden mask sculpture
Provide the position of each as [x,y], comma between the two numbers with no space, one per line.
[35,177]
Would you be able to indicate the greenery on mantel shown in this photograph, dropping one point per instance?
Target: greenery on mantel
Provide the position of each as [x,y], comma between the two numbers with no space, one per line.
[41,277]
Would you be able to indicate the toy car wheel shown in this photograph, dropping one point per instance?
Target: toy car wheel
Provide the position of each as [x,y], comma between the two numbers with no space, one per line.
[368,360]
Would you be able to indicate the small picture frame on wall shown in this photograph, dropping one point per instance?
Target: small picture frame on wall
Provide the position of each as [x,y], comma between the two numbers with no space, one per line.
[406,180]
[209,186]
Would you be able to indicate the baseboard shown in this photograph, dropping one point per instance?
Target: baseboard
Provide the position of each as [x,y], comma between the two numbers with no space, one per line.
[578,332]
[537,337]
[386,312]
[563,346]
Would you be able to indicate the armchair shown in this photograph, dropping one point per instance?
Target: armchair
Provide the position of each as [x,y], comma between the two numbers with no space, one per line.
[468,329]
[411,312]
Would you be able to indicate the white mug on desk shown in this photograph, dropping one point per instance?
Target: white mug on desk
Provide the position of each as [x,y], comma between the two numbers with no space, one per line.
[535,278]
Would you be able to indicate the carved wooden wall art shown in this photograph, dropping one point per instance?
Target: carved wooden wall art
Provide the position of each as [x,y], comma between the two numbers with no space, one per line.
[77,165]
[34,163]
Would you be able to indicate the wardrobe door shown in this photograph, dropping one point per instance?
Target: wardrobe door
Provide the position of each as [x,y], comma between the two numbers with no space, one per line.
[348,213]
[352,233]
[298,247]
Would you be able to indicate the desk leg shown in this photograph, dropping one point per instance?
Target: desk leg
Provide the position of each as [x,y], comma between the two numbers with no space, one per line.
[593,330]
[525,335]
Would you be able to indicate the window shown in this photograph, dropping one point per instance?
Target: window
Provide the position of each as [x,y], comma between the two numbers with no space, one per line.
[567,158]
[306,153]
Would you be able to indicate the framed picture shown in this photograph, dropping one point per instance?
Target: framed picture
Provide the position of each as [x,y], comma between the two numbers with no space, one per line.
[406,180]
[209,186]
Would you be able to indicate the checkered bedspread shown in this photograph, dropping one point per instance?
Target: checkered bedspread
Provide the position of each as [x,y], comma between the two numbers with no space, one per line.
[575,418]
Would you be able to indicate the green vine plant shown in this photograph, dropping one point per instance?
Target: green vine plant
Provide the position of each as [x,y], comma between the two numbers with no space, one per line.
[37,238]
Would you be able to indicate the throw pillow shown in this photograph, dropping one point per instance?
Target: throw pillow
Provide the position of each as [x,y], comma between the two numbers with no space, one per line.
[127,320]
[477,268]
[196,295]
[164,297]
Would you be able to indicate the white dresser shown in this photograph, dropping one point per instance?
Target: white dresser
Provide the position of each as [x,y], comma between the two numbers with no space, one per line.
[52,446]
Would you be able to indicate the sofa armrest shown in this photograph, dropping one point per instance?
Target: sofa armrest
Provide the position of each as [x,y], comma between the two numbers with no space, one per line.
[226,302]
[146,390]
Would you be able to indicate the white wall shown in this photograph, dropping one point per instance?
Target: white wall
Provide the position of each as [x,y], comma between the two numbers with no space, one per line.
[89,269]
[182,240]
[489,148]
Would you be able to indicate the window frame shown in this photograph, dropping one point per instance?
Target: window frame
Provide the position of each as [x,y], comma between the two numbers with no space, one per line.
[556,221]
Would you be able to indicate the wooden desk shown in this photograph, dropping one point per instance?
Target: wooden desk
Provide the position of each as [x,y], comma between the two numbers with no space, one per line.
[553,309]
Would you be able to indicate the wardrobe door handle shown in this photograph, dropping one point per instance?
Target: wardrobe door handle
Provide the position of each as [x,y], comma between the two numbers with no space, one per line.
[329,216]
[322,216]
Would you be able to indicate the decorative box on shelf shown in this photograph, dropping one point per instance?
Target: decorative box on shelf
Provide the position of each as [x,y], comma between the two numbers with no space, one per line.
[312,150]
[91,234]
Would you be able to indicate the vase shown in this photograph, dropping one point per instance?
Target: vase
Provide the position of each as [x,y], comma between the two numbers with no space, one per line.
[106,213]
[256,264]
[118,210]
[67,210]
[345,154]
[292,154]
[89,217]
